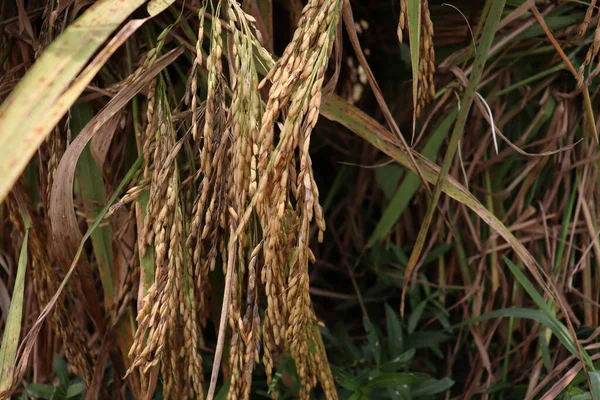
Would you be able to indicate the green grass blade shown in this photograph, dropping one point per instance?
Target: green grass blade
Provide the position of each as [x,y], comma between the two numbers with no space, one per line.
[487,38]
[432,387]
[595,384]
[564,229]
[12,330]
[410,184]
[528,286]
[557,327]
[61,370]
[147,260]
[91,187]
[395,340]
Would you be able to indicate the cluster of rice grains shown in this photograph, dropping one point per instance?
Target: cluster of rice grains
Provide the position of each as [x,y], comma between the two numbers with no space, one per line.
[245,209]
[425,82]
[297,83]
[594,49]
[167,330]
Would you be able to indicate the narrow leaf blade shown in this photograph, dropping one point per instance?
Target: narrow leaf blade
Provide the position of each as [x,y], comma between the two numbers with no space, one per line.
[12,330]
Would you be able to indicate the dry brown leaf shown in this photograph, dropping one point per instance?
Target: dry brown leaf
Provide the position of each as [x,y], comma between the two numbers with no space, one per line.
[101,142]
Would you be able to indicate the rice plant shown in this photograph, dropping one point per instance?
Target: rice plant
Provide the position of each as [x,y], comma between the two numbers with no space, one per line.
[313,199]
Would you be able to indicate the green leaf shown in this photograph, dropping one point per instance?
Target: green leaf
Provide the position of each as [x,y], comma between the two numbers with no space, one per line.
[344,379]
[554,325]
[432,386]
[358,396]
[395,340]
[396,379]
[557,327]
[410,183]
[222,394]
[546,358]
[595,384]
[437,252]
[373,340]
[528,286]
[399,253]
[61,370]
[40,390]
[93,193]
[146,260]
[76,389]
[398,362]
[12,330]
[345,341]
[583,396]
[387,178]
[425,339]
[415,316]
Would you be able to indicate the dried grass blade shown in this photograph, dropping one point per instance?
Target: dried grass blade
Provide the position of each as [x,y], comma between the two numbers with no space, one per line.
[370,130]
[489,31]
[587,102]
[24,122]
[155,7]
[214,375]
[101,143]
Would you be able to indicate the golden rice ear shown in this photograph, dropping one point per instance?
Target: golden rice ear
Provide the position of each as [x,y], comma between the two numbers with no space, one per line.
[244,115]
[402,21]
[194,80]
[426,85]
[591,53]
[289,201]
[586,19]
[424,60]
[166,305]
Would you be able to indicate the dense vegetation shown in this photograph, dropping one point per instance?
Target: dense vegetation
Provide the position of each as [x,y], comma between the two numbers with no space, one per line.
[384,199]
